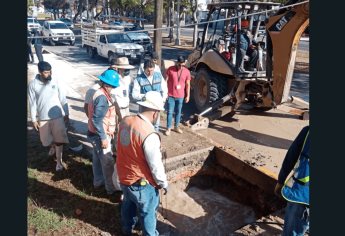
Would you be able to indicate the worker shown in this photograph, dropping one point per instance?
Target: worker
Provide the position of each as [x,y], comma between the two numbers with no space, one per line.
[101,130]
[244,44]
[178,80]
[150,80]
[221,46]
[155,58]
[121,93]
[38,42]
[228,54]
[29,47]
[295,189]
[49,111]
[140,167]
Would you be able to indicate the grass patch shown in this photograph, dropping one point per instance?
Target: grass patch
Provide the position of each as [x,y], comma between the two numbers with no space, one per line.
[45,221]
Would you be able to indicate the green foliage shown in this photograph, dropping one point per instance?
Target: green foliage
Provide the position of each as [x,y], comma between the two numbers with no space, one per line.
[30,3]
[46,221]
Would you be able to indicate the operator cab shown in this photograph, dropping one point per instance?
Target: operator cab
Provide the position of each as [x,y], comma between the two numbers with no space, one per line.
[242,29]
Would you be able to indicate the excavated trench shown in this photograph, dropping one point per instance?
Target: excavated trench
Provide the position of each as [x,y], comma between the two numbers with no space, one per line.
[206,198]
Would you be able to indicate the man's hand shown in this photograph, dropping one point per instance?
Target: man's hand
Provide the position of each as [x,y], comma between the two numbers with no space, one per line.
[186,99]
[35,125]
[278,189]
[104,144]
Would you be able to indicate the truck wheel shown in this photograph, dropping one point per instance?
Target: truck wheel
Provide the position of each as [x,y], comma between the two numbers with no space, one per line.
[51,41]
[90,51]
[72,43]
[111,56]
[208,88]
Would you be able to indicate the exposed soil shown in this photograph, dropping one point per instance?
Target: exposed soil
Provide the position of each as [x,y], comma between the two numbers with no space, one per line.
[65,192]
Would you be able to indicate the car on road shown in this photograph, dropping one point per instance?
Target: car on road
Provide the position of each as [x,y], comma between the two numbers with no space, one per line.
[143,39]
[68,22]
[57,32]
[33,24]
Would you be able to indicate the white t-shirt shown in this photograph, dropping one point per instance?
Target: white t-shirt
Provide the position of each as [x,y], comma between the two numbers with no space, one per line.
[122,92]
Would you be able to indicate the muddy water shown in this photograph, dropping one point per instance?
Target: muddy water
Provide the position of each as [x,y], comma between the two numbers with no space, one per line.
[197,211]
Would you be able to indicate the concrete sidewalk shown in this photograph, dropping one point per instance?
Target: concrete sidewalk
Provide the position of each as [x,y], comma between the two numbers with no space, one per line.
[76,84]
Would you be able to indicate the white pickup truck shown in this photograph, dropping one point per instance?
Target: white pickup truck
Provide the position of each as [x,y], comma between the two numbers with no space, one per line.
[110,43]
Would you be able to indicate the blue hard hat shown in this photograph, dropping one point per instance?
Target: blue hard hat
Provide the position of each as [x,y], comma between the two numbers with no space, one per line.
[110,77]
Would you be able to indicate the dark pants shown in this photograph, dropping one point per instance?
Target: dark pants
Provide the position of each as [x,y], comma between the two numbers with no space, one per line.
[253,58]
[240,58]
[30,54]
[38,50]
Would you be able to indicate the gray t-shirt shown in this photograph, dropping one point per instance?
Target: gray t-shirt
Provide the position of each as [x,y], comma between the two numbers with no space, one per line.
[47,100]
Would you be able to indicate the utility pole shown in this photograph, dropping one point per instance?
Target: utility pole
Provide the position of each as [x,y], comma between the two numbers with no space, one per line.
[177,41]
[158,24]
[87,10]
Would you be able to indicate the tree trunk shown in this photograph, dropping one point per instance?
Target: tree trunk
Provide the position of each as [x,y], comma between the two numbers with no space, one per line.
[172,13]
[195,21]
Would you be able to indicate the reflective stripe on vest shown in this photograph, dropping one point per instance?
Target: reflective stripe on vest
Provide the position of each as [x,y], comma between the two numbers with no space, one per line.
[131,163]
[145,85]
[109,121]
[296,188]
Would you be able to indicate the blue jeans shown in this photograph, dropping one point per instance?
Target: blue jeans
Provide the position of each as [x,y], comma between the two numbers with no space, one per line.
[296,221]
[156,125]
[102,165]
[171,109]
[141,199]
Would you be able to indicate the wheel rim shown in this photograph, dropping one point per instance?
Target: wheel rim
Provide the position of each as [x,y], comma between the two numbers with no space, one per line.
[202,91]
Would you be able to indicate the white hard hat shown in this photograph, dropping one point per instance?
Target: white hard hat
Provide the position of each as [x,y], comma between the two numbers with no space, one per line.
[153,100]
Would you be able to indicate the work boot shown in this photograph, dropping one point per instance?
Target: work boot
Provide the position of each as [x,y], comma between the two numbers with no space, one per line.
[167,132]
[178,130]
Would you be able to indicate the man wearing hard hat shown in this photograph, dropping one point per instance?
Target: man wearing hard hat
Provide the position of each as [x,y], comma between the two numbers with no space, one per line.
[101,129]
[139,165]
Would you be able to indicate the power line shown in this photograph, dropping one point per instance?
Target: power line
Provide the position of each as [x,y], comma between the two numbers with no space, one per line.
[169,27]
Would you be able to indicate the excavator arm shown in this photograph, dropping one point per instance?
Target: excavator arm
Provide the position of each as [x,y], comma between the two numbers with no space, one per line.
[284,32]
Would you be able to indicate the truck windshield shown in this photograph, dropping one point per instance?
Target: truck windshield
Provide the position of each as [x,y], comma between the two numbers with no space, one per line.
[138,35]
[58,26]
[118,38]
[31,20]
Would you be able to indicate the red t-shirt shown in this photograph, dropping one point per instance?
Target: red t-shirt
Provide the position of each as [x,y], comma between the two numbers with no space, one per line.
[176,87]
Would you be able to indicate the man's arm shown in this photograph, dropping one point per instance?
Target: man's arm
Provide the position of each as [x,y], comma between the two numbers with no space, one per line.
[136,91]
[292,156]
[188,89]
[33,105]
[164,88]
[153,157]
[63,100]
[100,110]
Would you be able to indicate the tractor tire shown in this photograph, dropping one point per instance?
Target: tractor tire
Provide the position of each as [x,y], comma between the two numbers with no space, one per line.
[90,51]
[208,88]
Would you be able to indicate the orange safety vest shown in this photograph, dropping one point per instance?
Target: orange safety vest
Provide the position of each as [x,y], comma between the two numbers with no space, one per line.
[109,121]
[130,162]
